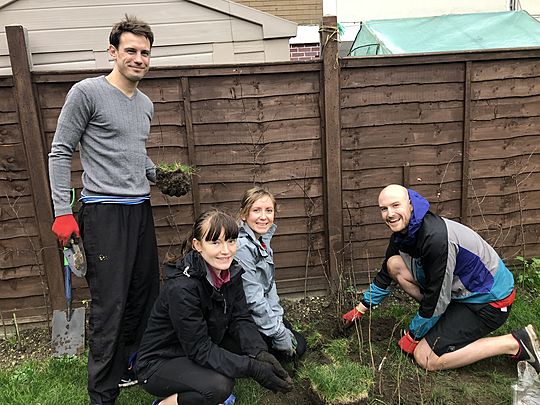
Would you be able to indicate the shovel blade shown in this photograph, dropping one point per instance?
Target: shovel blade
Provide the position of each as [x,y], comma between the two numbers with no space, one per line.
[68,336]
[74,254]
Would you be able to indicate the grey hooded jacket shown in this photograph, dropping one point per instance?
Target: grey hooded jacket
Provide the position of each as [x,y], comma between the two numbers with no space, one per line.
[259,281]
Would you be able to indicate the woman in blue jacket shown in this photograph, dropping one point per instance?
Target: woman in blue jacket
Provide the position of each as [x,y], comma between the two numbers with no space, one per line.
[200,335]
[254,254]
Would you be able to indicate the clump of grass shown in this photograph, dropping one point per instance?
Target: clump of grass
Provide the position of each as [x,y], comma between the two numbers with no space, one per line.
[404,308]
[55,381]
[527,273]
[342,381]
[345,382]
[315,340]
[175,166]
[247,391]
[337,350]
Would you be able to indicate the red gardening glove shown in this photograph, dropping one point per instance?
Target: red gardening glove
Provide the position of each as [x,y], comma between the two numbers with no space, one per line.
[407,343]
[352,316]
[64,226]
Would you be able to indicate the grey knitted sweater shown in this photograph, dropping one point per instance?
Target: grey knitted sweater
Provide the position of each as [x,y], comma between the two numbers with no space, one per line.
[112,130]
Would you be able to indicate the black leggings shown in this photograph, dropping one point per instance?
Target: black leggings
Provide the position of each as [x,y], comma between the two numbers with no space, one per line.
[195,385]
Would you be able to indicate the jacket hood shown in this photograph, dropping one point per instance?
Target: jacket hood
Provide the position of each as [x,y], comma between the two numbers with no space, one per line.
[193,265]
[420,208]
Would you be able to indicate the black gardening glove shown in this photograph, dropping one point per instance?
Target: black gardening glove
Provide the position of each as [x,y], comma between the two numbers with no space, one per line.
[264,374]
[278,369]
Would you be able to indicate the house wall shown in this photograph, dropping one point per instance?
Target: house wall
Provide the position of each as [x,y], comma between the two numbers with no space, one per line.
[363,10]
[305,51]
[299,11]
[68,34]
[531,6]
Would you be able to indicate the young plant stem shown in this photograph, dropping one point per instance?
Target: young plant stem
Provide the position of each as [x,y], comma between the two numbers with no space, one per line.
[19,342]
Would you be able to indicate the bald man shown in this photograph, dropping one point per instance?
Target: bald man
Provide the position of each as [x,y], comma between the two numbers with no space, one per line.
[463,288]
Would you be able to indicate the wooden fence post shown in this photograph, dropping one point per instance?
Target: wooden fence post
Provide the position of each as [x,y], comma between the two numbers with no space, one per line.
[465,214]
[332,148]
[195,191]
[36,155]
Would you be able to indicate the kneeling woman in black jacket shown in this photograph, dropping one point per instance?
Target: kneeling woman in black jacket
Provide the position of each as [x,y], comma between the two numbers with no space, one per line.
[200,335]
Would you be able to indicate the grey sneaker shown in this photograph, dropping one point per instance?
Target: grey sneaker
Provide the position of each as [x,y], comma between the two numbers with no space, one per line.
[529,348]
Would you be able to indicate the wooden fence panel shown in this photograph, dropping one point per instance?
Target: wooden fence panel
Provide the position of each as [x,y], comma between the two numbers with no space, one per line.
[397,135]
[505,154]
[23,286]
[265,129]
[460,129]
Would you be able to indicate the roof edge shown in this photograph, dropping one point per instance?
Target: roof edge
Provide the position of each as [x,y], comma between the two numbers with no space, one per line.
[273,26]
[4,3]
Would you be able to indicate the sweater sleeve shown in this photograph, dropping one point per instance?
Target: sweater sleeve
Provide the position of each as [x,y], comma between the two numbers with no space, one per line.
[150,170]
[71,125]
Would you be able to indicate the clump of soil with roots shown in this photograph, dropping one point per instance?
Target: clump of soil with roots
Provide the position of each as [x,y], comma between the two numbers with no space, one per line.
[174,179]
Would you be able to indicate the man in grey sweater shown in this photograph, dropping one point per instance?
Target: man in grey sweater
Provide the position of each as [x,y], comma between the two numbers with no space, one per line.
[110,119]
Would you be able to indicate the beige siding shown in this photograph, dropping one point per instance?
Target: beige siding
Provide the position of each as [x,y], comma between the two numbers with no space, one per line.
[73,34]
[31,4]
[277,47]
[91,16]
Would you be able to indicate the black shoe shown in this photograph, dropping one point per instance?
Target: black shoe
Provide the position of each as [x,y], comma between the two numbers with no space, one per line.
[529,348]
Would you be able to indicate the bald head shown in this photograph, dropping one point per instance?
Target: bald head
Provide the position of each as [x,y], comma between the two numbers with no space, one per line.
[395,206]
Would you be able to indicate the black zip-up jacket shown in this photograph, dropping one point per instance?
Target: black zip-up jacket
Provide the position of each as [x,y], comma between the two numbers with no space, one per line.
[191,317]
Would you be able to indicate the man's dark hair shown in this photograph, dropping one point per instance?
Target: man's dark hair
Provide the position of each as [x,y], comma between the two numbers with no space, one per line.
[133,25]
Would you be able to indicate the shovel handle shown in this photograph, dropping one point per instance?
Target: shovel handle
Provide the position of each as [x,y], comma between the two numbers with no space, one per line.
[67,282]
[67,287]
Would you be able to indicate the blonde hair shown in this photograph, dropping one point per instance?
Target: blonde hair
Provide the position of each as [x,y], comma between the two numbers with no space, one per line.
[249,198]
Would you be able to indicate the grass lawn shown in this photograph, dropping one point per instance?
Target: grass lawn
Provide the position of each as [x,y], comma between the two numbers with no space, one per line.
[361,364]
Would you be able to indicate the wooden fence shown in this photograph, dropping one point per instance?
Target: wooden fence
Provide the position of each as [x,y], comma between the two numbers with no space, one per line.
[325,136]
[461,129]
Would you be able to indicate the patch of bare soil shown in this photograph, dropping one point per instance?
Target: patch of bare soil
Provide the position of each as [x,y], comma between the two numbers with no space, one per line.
[32,344]
[377,341]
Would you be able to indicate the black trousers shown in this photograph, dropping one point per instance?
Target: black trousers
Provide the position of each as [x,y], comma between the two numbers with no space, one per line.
[123,277]
[194,384]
